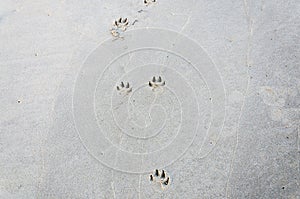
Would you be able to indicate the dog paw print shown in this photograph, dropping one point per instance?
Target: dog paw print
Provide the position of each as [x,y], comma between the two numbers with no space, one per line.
[120,25]
[156,82]
[148,2]
[124,89]
[161,177]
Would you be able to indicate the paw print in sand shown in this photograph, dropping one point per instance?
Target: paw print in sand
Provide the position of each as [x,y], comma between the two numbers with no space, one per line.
[124,89]
[160,177]
[120,25]
[155,83]
[148,2]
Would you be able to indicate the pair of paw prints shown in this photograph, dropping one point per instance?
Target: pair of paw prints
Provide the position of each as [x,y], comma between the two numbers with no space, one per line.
[119,25]
[161,177]
[154,83]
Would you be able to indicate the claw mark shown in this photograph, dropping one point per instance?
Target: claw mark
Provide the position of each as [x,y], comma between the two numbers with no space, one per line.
[154,83]
[122,88]
[134,21]
[163,175]
[159,79]
[151,177]
[166,182]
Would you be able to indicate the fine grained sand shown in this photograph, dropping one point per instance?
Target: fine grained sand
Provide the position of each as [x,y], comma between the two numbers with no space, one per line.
[212,100]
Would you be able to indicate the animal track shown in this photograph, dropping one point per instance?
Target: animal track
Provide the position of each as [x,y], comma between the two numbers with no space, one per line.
[154,83]
[125,89]
[120,25]
[160,177]
[148,2]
